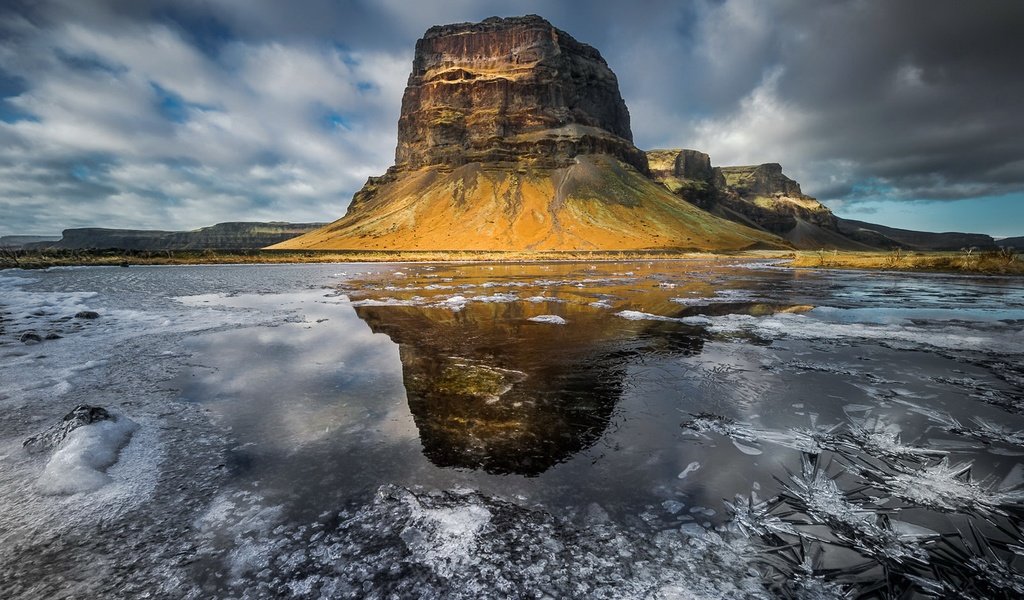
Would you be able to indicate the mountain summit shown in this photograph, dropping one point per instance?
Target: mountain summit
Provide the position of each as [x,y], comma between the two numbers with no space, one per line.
[513,136]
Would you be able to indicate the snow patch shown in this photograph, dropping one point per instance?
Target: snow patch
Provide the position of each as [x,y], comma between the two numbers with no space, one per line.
[80,463]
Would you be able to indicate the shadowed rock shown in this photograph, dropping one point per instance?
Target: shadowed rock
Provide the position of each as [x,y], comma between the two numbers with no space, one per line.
[81,415]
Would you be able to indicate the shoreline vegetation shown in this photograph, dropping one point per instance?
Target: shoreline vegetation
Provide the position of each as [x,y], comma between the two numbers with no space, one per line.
[1004,261]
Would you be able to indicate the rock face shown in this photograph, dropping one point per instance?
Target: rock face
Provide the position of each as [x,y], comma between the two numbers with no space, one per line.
[759,181]
[761,196]
[81,415]
[516,90]
[513,136]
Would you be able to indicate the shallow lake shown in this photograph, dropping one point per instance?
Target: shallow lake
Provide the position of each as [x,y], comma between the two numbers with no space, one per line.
[669,429]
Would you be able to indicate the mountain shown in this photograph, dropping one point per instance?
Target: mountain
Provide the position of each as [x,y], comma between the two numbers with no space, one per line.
[222,236]
[16,242]
[917,240]
[763,197]
[1014,242]
[513,136]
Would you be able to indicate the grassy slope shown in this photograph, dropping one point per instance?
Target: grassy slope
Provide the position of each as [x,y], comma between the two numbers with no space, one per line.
[597,204]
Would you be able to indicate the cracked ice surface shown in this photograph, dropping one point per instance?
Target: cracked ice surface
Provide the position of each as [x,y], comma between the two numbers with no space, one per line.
[303,432]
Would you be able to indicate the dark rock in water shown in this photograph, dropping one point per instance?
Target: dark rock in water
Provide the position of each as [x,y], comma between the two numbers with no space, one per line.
[30,337]
[83,414]
[87,314]
[53,336]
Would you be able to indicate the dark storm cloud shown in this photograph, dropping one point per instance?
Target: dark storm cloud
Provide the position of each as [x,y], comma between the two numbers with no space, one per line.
[179,114]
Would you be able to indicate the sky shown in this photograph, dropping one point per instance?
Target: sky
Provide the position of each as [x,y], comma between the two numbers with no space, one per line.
[177,115]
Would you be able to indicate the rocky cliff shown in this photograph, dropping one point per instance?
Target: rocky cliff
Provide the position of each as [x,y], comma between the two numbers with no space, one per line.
[513,136]
[763,197]
[759,196]
[222,236]
[515,90]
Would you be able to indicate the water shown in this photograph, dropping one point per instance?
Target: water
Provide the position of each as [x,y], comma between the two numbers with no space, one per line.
[619,430]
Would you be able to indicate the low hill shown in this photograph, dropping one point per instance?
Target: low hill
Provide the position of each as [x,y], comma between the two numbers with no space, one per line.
[222,236]
[16,242]
[917,240]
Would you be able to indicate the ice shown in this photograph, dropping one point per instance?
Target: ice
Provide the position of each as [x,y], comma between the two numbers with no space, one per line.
[636,315]
[445,538]
[859,525]
[690,468]
[495,298]
[552,319]
[455,303]
[313,515]
[462,544]
[721,296]
[880,438]
[539,299]
[946,336]
[382,302]
[751,516]
[946,487]
[80,463]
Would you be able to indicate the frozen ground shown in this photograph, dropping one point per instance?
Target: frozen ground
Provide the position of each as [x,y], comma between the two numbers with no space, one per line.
[639,430]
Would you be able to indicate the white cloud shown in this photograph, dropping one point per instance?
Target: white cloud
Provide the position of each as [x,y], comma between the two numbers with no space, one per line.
[251,139]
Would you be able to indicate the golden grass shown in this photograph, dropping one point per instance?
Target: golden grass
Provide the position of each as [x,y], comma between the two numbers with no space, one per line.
[596,204]
[989,262]
[41,259]
[986,262]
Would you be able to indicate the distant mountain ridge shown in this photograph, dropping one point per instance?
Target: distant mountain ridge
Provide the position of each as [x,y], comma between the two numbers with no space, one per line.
[222,236]
[20,241]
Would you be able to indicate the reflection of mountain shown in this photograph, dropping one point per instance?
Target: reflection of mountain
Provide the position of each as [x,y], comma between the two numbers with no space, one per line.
[490,390]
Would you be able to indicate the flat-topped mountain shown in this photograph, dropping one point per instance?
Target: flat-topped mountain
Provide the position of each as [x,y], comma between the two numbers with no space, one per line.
[761,196]
[510,90]
[513,136]
[222,236]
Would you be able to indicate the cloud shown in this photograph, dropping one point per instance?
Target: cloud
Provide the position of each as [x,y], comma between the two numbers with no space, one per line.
[918,97]
[180,114]
[132,125]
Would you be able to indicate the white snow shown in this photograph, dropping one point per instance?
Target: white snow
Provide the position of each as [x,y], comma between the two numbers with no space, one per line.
[80,463]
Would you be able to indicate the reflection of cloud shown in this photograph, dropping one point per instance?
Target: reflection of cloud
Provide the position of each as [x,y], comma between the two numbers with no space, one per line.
[307,381]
